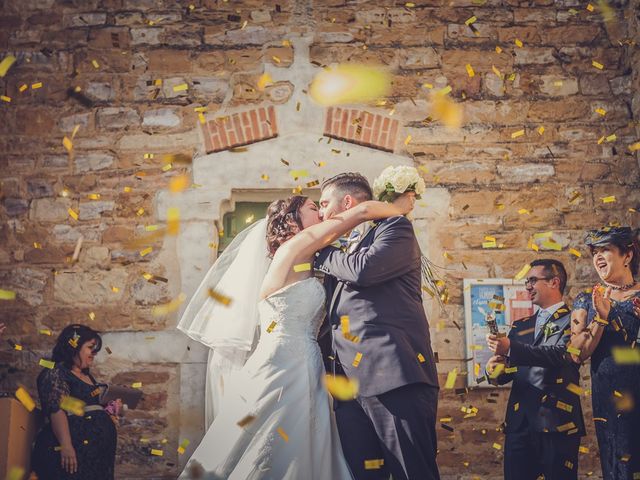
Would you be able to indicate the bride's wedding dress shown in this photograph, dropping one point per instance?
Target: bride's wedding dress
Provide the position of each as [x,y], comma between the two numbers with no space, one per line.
[275,421]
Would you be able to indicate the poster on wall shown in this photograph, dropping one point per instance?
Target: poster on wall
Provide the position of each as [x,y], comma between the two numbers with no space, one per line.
[502,299]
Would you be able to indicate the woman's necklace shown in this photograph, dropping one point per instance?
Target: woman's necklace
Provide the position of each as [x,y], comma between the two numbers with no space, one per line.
[622,288]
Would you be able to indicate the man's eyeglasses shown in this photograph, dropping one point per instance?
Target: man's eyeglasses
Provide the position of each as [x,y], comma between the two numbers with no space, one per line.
[533,280]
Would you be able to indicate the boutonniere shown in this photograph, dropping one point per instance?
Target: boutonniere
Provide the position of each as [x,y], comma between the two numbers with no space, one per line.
[550,329]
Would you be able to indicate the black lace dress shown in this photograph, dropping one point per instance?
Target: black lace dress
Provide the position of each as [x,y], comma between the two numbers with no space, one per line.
[617,421]
[93,435]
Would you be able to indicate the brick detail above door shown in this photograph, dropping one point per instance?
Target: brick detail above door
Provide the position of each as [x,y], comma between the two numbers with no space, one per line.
[242,128]
[361,127]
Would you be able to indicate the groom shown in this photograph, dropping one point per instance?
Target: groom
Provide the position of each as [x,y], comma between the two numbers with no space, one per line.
[374,294]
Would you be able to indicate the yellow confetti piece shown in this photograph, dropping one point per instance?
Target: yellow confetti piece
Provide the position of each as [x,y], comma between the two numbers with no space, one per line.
[180,88]
[589,7]
[148,155]
[15,473]
[25,399]
[517,134]
[451,379]
[92,316]
[272,326]
[470,71]
[72,214]
[524,211]
[167,167]
[45,331]
[95,64]
[573,350]
[421,358]
[146,251]
[341,387]
[496,71]
[575,389]
[284,436]
[516,406]
[357,359]
[582,449]
[7,294]
[72,405]
[6,64]
[18,347]
[601,111]
[626,355]
[373,464]
[427,85]
[46,363]
[349,83]
[609,199]
[575,252]
[140,212]
[157,452]
[126,189]
[67,143]
[173,221]
[220,298]
[497,446]
[521,274]
[518,43]
[264,177]
[598,65]
[36,85]
[302,267]
[564,406]
[498,49]
[179,183]
[202,118]
[611,138]
[23,87]
[4,98]
[510,369]
[264,81]
[136,385]
[407,140]
[600,140]
[470,20]
[444,91]
[299,173]
[93,196]
[115,289]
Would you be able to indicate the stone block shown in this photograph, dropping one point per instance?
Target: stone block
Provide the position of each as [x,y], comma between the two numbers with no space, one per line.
[163,117]
[95,287]
[50,209]
[94,209]
[28,283]
[114,118]
[93,161]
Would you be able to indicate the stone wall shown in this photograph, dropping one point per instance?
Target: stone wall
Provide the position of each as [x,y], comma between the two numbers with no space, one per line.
[130,74]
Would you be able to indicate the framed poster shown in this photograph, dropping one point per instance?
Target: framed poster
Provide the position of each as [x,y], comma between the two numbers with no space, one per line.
[503,298]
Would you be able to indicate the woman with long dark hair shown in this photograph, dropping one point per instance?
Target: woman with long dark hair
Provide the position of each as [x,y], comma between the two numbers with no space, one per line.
[78,440]
[605,327]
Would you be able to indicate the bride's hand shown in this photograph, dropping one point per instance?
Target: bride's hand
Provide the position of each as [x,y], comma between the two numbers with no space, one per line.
[405,202]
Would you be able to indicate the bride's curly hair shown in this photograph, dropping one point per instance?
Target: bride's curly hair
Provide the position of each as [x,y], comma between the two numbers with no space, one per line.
[283,221]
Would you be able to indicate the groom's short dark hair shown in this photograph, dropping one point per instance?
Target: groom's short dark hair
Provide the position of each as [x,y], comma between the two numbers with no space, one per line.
[350,183]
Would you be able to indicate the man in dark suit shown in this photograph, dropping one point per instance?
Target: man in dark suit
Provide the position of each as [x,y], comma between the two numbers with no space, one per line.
[379,336]
[544,421]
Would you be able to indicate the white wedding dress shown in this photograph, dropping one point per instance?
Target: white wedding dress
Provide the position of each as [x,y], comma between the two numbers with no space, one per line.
[288,429]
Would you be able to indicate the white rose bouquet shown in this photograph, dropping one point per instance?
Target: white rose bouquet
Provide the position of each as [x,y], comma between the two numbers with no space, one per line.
[394,181]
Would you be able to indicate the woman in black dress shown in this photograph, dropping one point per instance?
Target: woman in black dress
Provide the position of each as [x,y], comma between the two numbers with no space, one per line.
[77,442]
[605,327]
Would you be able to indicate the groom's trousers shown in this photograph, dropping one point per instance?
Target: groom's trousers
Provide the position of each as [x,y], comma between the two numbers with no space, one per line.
[398,427]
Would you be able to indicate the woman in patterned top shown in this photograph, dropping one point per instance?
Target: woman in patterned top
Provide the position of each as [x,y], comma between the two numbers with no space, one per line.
[76,443]
[605,328]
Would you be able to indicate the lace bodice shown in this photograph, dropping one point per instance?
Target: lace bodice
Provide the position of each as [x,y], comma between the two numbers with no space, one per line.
[297,310]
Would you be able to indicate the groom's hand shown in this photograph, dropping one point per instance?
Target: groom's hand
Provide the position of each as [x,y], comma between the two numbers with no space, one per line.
[498,345]
[405,202]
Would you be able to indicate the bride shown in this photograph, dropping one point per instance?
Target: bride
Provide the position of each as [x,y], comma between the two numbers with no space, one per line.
[273,419]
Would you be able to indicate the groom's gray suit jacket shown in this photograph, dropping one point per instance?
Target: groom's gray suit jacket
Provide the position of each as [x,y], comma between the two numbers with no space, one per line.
[378,286]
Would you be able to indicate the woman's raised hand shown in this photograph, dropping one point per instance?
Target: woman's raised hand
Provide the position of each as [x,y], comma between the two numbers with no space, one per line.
[601,302]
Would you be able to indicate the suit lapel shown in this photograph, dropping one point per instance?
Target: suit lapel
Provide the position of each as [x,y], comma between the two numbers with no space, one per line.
[552,320]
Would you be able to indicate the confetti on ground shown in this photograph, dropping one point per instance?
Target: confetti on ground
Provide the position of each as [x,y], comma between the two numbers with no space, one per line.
[25,399]
[341,387]
[146,251]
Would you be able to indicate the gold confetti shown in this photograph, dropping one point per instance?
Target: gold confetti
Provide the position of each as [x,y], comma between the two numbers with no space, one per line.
[582,449]
[146,251]
[373,464]
[4,98]
[284,436]
[36,85]
[470,71]
[573,350]
[302,267]
[609,199]
[575,252]
[447,255]
[634,147]
[25,399]
[140,212]
[451,379]
[589,7]
[575,389]
[421,358]
[157,452]
[46,363]
[7,294]
[72,405]
[498,49]
[6,64]
[470,20]
[444,91]
[126,189]
[497,446]
[92,316]
[517,134]
[67,143]
[407,140]
[601,111]
[356,360]
[23,87]
[349,83]
[341,387]
[220,298]
[183,445]
[521,274]
[598,65]
[264,177]
[95,64]
[136,385]
[167,167]
[45,331]
[524,211]
[611,138]
[271,326]
[179,183]
[518,43]
[18,347]
[173,221]
[264,81]
[626,355]
[202,118]
[180,88]
[496,71]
